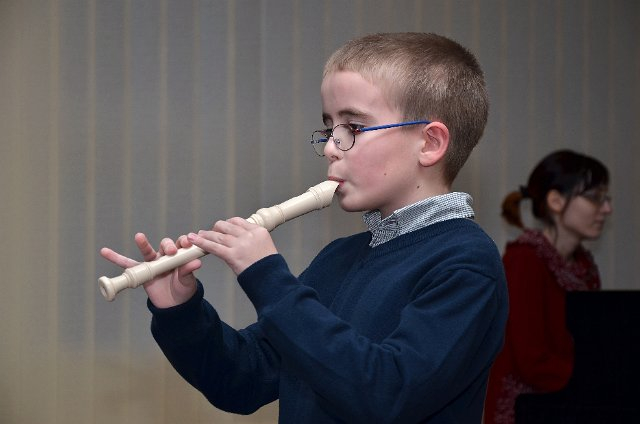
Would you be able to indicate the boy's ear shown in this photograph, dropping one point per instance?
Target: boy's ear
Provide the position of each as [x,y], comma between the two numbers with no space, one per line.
[435,137]
[556,201]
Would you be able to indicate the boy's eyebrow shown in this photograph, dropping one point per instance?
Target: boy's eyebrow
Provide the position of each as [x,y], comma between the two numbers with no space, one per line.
[346,113]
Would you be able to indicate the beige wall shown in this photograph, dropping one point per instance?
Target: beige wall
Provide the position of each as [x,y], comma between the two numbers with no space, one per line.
[118,116]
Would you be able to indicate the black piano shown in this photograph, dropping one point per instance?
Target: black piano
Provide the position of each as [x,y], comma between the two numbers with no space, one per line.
[604,387]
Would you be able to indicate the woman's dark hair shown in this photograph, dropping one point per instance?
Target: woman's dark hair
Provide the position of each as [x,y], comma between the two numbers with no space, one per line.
[565,171]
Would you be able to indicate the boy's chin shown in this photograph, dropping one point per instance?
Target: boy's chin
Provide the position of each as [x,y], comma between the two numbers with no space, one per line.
[350,206]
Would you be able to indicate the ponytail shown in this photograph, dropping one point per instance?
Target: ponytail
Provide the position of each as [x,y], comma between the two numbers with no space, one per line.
[511,207]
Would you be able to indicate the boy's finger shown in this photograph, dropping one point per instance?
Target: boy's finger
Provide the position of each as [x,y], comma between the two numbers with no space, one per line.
[118,259]
[148,252]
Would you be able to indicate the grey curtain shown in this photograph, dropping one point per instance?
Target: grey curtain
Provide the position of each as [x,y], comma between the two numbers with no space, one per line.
[119,116]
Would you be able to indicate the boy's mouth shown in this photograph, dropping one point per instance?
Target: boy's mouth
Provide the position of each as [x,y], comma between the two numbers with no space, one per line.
[338,180]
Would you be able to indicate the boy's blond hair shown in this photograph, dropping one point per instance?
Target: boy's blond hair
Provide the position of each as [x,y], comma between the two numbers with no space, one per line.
[425,76]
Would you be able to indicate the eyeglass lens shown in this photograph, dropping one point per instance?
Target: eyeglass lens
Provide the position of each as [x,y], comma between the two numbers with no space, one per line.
[598,197]
[342,134]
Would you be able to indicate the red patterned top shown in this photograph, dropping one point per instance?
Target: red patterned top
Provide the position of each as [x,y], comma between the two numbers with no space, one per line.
[538,352]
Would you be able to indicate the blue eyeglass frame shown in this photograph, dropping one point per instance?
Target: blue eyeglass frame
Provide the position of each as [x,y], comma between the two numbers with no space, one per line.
[365,129]
[382,127]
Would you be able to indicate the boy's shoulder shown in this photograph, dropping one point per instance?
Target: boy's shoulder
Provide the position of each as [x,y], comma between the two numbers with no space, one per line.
[461,237]
[459,230]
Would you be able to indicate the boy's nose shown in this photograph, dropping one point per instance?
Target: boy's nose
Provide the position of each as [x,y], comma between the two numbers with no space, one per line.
[331,151]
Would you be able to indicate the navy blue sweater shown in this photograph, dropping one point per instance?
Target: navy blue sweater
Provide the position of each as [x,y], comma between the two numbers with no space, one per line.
[404,332]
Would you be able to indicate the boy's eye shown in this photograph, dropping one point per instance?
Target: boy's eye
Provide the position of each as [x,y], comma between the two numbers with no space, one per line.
[356,127]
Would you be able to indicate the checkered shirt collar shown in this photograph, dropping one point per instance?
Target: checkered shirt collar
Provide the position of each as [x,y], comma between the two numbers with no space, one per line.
[418,215]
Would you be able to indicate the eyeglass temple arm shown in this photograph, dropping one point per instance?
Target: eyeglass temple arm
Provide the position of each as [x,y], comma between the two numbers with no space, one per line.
[382,127]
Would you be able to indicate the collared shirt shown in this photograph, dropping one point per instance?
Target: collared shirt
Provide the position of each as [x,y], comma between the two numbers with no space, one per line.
[417,215]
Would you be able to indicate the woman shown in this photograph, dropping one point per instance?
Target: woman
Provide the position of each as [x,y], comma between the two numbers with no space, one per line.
[568,193]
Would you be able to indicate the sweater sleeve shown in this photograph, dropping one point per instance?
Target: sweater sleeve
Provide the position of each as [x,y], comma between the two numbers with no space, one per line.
[445,341]
[541,346]
[237,371]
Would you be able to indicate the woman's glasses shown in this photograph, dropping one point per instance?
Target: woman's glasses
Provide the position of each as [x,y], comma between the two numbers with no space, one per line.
[597,197]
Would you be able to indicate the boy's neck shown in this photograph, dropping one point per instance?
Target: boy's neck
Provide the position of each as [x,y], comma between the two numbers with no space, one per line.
[423,195]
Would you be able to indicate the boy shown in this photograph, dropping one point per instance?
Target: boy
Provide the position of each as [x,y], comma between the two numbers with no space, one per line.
[397,324]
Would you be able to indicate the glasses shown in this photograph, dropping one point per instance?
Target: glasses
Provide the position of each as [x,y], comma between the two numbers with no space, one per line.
[344,135]
[596,196]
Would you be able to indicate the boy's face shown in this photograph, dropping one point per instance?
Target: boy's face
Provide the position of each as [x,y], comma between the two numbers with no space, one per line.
[381,170]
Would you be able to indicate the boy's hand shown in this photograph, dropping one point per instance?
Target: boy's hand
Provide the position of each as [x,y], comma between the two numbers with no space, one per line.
[236,241]
[169,289]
